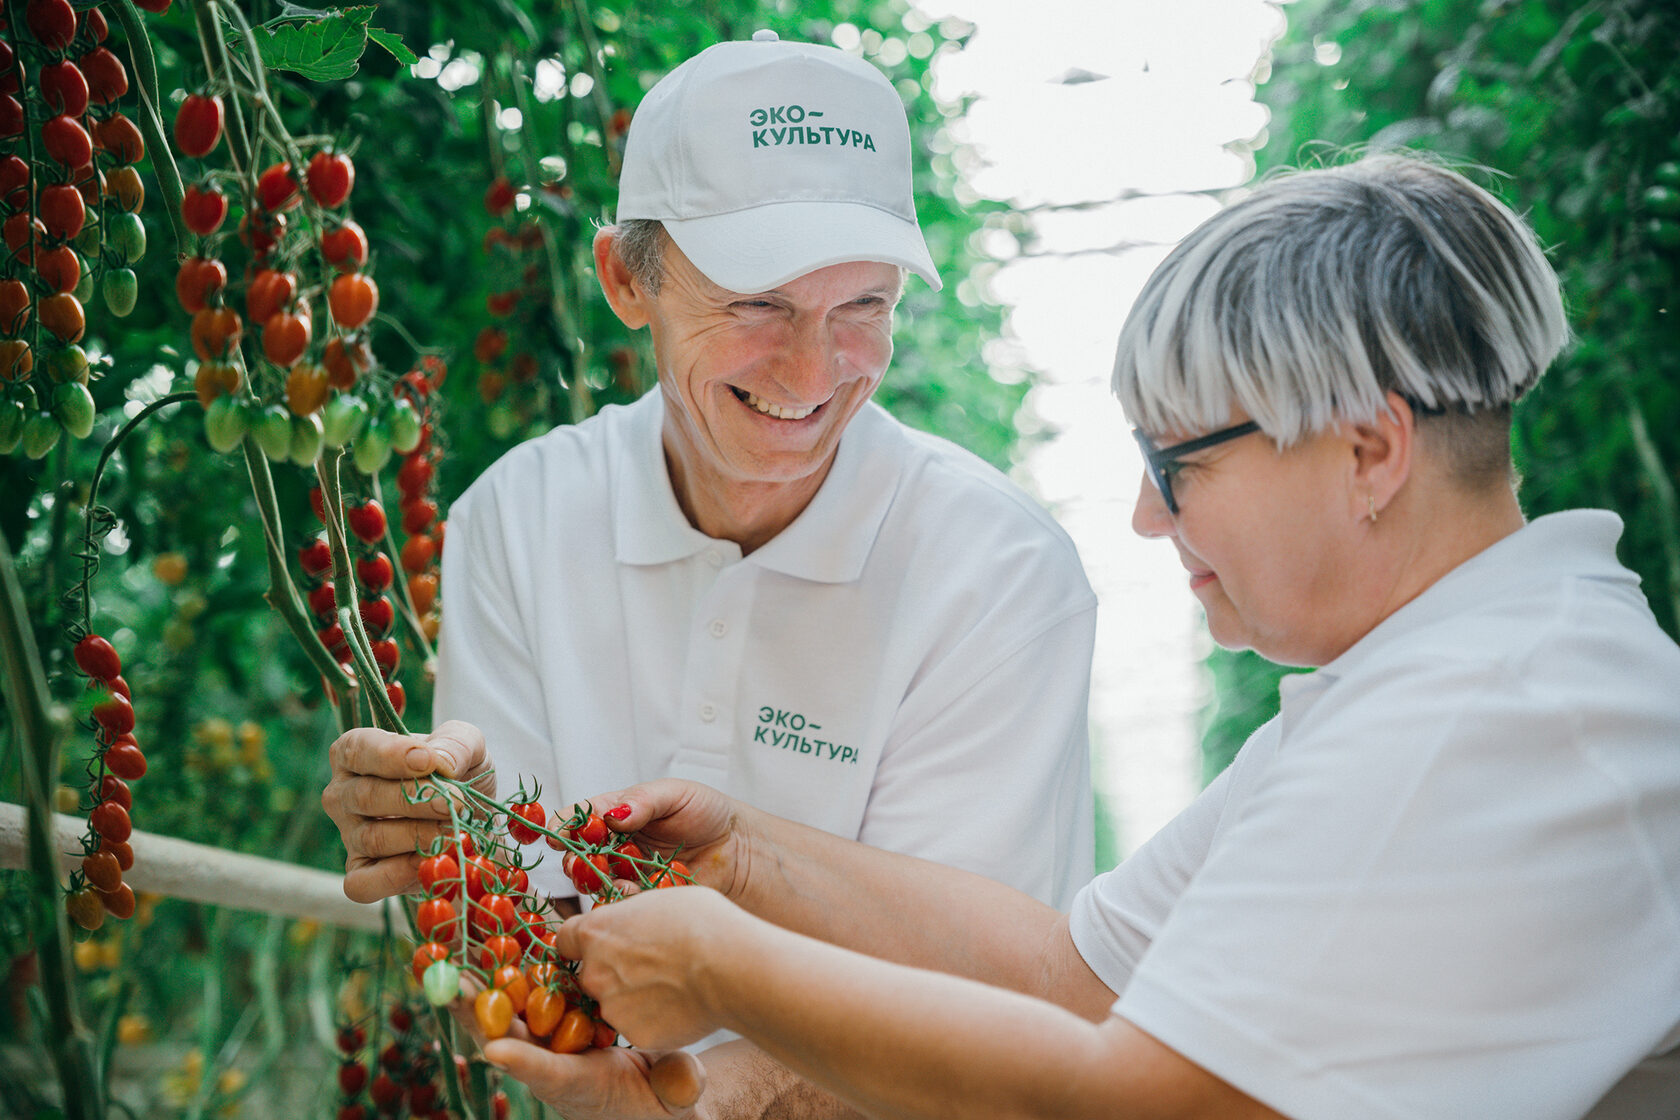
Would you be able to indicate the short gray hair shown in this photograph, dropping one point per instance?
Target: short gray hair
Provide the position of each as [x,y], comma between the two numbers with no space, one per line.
[1309,300]
[641,245]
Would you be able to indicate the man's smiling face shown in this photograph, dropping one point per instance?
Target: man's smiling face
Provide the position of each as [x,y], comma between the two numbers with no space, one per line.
[760,386]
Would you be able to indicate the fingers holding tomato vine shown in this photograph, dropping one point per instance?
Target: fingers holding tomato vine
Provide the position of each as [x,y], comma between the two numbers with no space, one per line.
[620,1083]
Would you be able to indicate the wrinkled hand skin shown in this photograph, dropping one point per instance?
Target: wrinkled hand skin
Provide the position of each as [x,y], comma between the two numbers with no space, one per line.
[642,960]
[373,778]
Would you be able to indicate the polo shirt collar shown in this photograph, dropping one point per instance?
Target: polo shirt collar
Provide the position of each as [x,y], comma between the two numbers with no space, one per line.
[1578,544]
[829,542]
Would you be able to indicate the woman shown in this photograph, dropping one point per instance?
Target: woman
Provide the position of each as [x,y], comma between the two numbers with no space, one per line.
[1444,882]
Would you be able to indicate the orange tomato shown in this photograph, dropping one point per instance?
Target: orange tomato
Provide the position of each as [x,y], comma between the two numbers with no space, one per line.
[574,1034]
[543,1011]
[61,313]
[494,1011]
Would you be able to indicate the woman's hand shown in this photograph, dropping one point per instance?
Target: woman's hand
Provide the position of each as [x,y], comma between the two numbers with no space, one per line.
[702,827]
[646,961]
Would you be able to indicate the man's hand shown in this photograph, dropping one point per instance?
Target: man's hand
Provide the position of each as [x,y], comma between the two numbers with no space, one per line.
[617,1083]
[369,798]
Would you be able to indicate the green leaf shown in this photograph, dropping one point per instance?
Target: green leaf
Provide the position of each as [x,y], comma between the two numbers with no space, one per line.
[397,48]
[326,48]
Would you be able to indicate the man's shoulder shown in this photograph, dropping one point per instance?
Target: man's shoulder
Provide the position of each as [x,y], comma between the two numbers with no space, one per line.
[958,508]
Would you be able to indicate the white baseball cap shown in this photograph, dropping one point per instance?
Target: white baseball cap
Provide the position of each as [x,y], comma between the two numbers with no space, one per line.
[767,160]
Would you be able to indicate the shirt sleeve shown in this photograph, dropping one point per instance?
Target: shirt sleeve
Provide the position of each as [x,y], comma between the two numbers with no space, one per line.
[1001,723]
[1441,915]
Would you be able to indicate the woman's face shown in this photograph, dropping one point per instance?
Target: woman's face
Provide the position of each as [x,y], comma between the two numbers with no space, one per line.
[1267,541]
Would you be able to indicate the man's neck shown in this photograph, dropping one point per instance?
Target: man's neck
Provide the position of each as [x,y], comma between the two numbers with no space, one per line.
[749,513]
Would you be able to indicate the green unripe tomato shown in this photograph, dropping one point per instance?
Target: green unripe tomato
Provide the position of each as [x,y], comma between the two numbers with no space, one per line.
[68,364]
[373,449]
[73,405]
[40,434]
[84,288]
[11,425]
[121,289]
[125,233]
[87,242]
[225,422]
[404,424]
[1665,232]
[343,419]
[306,439]
[442,982]
[273,429]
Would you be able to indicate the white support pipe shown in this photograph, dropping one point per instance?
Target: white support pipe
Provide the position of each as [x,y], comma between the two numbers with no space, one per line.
[200,873]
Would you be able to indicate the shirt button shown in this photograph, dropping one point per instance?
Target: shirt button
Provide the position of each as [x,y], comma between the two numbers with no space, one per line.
[708,712]
[718,628]
[714,558]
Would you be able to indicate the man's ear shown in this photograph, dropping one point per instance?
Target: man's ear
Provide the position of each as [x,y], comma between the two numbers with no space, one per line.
[1382,451]
[627,298]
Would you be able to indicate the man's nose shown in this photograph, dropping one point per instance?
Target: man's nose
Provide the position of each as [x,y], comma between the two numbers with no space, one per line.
[810,363]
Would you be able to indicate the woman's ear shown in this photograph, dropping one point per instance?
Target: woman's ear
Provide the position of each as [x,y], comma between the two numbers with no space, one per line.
[1382,452]
[627,298]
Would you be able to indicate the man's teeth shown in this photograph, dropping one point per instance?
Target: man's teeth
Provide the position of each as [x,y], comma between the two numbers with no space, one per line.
[777,411]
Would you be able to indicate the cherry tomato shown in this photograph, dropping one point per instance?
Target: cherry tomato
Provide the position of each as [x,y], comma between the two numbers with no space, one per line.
[53,22]
[97,658]
[387,1094]
[215,330]
[64,88]
[520,818]
[593,831]
[543,1010]
[345,246]
[398,695]
[425,954]
[676,875]
[85,908]
[436,919]
[367,521]
[442,982]
[330,176]
[494,913]
[261,232]
[375,572]
[199,278]
[510,978]
[67,141]
[417,517]
[120,138]
[440,875]
[113,788]
[62,314]
[116,715]
[119,848]
[388,656]
[323,604]
[493,1009]
[270,291]
[111,821]
[423,589]
[352,298]
[277,189]
[315,558]
[198,124]
[345,360]
[60,269]
[124,187]
[107,78]
[126,760]
[61,210]
[11,116]
[285,337]
[499,197]
[352,1078]
[574,1034]
[203,209]
[102,870]
[621,860]
[590,874]
[418,552]
[120,902]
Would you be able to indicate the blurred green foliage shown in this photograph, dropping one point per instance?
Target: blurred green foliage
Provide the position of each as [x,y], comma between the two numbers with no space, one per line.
[1571,113]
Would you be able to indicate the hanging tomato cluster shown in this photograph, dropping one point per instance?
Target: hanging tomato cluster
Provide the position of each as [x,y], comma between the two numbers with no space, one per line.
[374,575]
[98,889]
[479,919]
[69,202]
[513,247]
[417,498]
[408,1074]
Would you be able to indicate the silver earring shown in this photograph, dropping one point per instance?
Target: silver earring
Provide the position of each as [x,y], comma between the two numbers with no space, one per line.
[1371,507]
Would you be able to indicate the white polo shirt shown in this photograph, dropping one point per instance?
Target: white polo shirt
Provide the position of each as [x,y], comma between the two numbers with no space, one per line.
[1445,881]
[907,664]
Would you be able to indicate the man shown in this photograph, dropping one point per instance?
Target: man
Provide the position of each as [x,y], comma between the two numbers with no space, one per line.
[753,576]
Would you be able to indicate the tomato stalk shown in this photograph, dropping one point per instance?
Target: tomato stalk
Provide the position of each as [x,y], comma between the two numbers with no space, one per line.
[157,144]
[39,723]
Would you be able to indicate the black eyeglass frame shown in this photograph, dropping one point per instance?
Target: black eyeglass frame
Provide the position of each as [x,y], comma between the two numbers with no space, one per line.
[1157,460]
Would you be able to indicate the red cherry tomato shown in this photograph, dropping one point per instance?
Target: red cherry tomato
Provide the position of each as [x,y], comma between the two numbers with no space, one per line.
[198,124]
[330,176]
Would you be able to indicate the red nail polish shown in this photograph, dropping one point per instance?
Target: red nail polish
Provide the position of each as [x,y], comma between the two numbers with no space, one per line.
[618,812]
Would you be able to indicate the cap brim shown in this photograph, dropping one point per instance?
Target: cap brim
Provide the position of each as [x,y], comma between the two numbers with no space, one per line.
[764,247]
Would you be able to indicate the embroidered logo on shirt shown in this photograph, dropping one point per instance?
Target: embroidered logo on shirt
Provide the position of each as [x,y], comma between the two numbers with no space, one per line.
[787,731]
